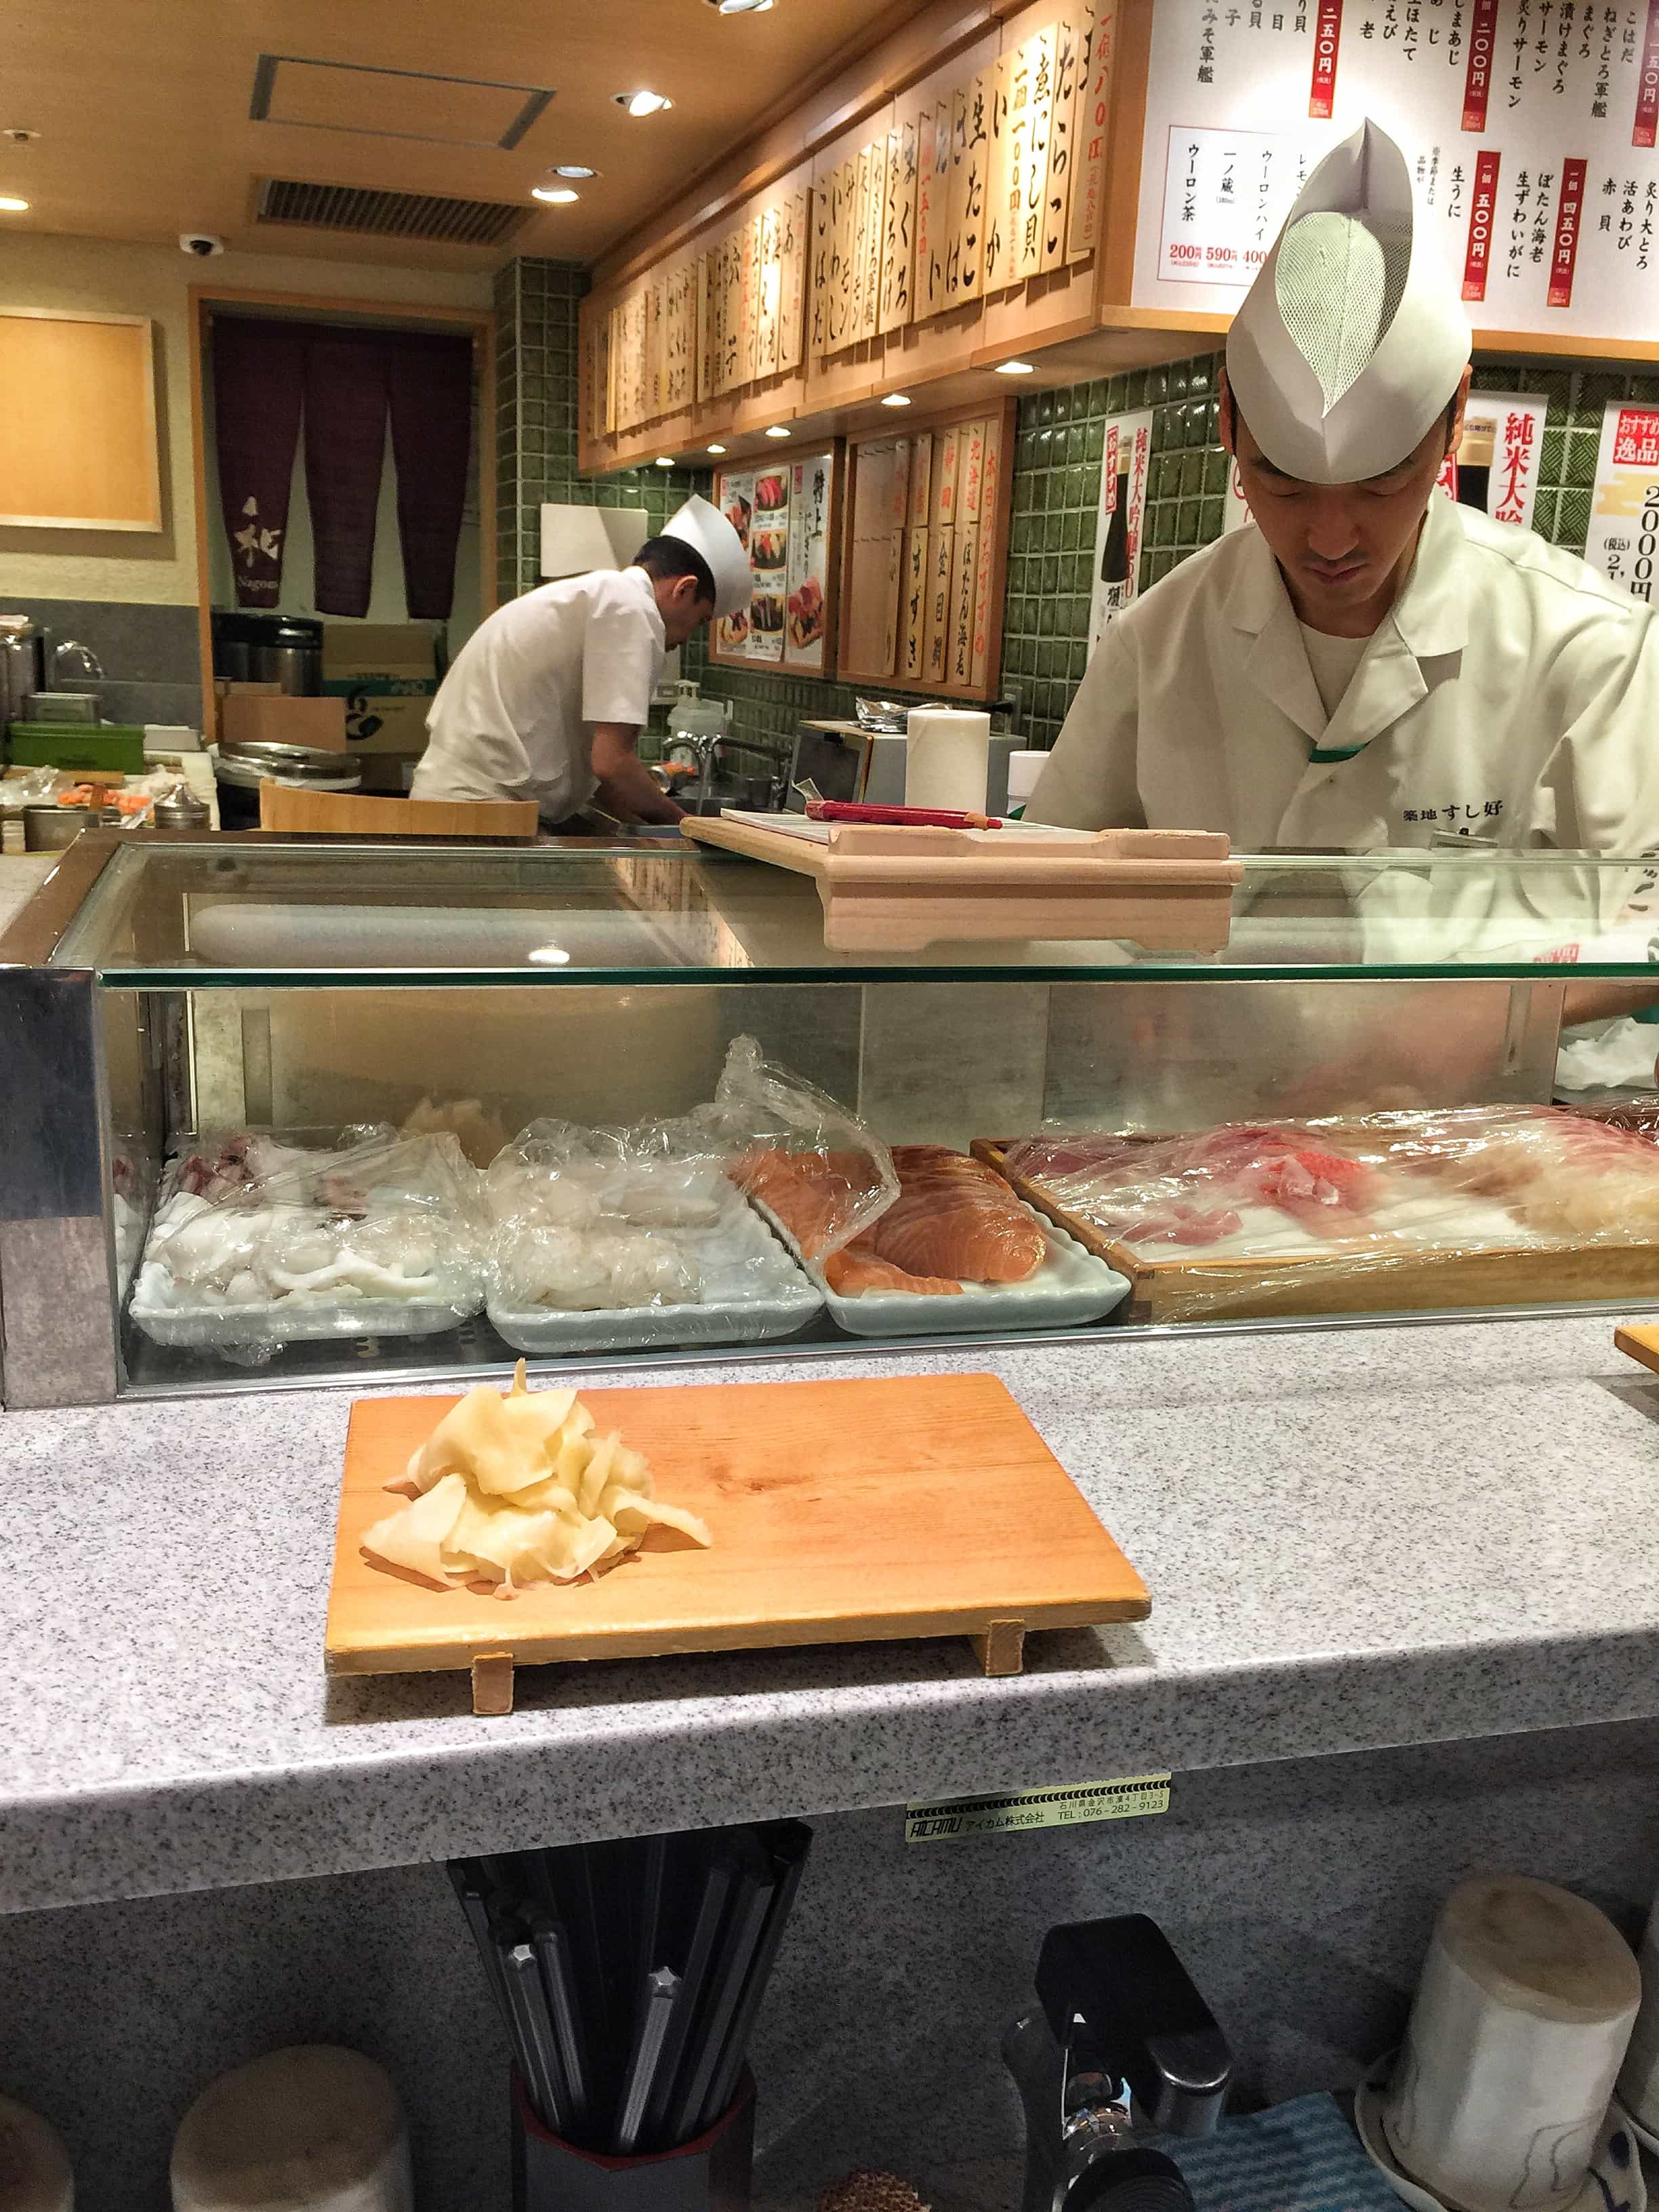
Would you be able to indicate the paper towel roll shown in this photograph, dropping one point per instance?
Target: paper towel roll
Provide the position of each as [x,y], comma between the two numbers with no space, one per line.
[947,758]
[34,2167]
[314,2126]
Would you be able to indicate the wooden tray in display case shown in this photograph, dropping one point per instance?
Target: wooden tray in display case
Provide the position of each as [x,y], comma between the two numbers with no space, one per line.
[1339,1280]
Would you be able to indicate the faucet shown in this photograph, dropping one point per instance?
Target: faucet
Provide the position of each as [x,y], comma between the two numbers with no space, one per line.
[1120,2045]
[91,669]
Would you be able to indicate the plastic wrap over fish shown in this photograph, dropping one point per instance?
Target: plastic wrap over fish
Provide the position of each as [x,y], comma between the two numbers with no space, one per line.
[807,1159]
[642,1226]
[261,1241]
[1370,1191]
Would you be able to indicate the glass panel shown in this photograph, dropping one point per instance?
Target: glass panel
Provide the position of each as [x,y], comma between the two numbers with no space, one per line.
[270,915]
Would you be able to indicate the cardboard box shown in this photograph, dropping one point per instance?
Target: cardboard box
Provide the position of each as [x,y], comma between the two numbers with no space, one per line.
[384,674]
[225,687]
[282,720]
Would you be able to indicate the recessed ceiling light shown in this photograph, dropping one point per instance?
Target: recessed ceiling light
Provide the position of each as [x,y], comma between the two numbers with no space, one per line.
[897,400]
[11,206]
[717,449]
[18,134]
[663,461]
[777,430]
[1015,368]
[555,194]
[642,103]
[574,169]
[740,7]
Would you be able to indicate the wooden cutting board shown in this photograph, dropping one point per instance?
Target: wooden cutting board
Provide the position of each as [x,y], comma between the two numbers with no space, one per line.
[841,1512]
[1640,1342]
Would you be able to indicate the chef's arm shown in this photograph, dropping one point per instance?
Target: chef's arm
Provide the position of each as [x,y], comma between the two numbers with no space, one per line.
[626,785]
[1603,1000]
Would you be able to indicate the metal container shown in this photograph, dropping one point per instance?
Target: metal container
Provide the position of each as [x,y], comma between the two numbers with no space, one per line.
[242,767]
[255,648]
[52,829]
[63,707]
[22,666]
[181,810]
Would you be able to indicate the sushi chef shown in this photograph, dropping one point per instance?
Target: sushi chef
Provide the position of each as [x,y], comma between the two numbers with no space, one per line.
[547,697]
[1371,665]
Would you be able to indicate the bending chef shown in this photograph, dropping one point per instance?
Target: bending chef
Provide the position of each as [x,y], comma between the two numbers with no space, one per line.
[547,698]
[1371,665]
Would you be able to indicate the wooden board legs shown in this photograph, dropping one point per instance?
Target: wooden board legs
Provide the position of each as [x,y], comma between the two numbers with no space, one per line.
[1001,1649]
[492,1682]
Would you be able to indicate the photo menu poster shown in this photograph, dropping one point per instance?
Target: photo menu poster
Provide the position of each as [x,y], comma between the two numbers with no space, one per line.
[1121,519]
[1531,126]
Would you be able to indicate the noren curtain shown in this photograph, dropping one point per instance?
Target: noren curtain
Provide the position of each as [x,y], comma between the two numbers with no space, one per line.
[352,380]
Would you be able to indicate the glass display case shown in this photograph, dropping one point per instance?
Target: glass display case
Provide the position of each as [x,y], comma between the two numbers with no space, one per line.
[343,1037]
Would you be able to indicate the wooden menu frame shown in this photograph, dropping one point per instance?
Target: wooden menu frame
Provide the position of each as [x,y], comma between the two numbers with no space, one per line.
[79,448]
[791,663]
[859,664]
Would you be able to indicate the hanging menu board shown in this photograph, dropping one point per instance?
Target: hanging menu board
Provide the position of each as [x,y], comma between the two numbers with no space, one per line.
[1531,126]
[787,517]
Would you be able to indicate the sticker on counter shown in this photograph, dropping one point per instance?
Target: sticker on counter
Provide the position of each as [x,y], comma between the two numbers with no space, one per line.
[953,1820]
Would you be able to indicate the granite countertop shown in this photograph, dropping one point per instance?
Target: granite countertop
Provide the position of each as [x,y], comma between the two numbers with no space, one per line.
[1353,1538]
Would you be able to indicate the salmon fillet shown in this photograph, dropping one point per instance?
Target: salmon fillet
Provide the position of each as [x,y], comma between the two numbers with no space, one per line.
[811,1194]
[857,1268]
[954,1216]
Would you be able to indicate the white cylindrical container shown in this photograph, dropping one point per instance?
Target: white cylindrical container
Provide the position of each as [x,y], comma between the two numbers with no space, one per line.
[1638,2079]
[1520,2021]
[34,2166]
[312,2129]
[947,758]
[1024,769]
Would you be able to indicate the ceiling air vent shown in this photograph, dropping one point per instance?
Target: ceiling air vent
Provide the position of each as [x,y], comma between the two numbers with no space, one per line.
[426,216]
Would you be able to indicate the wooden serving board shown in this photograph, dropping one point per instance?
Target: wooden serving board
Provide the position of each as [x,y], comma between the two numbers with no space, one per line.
[889,889]
[1641,1343]
[842,1512]
[1338,1281]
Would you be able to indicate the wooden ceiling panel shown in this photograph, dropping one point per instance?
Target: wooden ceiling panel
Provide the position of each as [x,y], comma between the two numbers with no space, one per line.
[143,108]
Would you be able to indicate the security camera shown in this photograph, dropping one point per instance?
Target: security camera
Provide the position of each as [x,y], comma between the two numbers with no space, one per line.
[201,243]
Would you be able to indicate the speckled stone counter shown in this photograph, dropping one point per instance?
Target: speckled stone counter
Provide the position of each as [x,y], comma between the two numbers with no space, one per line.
[1353,1539]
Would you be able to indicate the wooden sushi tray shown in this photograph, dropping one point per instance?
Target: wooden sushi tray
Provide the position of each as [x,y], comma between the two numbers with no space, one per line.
[842,1512]
[1338,1279]
[896,890]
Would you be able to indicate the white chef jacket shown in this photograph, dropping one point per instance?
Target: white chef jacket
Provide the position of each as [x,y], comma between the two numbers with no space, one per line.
[1512,694]
[515,717]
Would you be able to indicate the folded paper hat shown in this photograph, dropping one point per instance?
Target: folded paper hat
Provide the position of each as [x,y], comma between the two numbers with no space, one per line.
[706,529]
[1351,342]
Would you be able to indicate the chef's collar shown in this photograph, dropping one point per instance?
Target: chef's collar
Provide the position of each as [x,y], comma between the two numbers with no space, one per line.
[1430,614]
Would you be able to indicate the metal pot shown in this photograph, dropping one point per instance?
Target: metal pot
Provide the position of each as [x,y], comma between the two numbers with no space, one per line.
[242,767]
[255,648]
[22,666]
[52,829]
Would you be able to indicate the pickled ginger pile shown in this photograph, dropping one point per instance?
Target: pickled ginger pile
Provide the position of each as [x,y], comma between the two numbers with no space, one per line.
[516,1488]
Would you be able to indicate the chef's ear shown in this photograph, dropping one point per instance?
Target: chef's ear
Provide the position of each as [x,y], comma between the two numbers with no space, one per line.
[1455,412]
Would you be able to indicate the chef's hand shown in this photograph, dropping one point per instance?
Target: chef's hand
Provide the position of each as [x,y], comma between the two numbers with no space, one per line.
[626,785]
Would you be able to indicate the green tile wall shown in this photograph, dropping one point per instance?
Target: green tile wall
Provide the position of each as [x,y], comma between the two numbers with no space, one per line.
[1056,488]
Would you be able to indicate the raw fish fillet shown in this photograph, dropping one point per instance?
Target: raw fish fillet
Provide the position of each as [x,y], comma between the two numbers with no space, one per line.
[813,1194]
[857,1268]
[953,1216]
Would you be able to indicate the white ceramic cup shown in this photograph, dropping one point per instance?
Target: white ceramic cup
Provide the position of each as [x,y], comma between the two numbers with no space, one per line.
[1639,2080]
[314,2126]
[1520,2021]
[34,2167]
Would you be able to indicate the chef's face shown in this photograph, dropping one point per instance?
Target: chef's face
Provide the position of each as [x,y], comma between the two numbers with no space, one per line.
[681,607]
[1344,549]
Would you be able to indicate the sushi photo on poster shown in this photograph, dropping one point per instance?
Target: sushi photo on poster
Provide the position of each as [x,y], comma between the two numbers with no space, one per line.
[808,562]
[1121,519]
[735,497]
[768,562]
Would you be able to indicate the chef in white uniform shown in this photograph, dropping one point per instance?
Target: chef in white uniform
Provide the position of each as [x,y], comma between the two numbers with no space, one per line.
[1369,664]
[547,698]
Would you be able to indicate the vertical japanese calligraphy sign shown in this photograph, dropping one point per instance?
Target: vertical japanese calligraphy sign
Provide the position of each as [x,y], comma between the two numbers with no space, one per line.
[1477,83]
[1478,254]
[1569,214]
[1647,89]
[1328,35]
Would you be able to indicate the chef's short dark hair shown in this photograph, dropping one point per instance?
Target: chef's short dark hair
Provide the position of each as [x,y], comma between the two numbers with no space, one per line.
[668,558]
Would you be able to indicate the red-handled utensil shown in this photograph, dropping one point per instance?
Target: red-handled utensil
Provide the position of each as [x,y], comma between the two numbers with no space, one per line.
[903,817]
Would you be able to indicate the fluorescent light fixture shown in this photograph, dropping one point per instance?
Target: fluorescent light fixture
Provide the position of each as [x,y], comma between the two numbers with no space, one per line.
[1015,368]
[9,205]
[642,103]
[663,461]
[777,430]
[895,399]
[555,194]
[717,449]
[578,169]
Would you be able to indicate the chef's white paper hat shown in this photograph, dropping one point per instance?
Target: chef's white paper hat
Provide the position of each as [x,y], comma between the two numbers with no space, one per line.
[1352,337]
[706,529]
